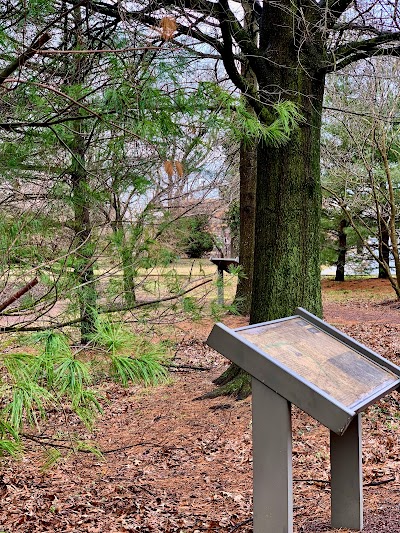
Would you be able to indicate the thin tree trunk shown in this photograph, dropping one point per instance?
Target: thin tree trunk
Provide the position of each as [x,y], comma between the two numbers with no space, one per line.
[248,176]
[126,255]
[81,201]
[248,183]
[84,272]
[394,280]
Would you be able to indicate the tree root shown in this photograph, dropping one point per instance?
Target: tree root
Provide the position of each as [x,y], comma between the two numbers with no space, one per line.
[238,386]
[230,373]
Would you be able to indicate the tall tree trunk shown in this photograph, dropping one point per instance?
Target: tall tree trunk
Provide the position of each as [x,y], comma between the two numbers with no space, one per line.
[248,179]
[248,183]
[341,261]
[83,269]
[288,207]
[288,215]
[288,201]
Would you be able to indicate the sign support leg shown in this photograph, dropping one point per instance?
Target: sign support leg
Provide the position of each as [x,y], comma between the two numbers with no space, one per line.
[272,461]
[346,477]
[220,285]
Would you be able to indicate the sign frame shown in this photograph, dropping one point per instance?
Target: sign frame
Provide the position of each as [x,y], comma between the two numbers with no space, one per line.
[275,386]
[287,383]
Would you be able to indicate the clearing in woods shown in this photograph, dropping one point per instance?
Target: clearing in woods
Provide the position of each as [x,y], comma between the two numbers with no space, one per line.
[176,465]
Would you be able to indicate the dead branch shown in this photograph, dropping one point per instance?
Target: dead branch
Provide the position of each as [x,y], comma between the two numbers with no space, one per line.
[380,482]
[187,367]
[24,57]
[57,325]
[18,294]
[238,526]
[370,484]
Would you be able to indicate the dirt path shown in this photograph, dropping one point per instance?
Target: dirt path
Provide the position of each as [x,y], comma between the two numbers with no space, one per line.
[374,304]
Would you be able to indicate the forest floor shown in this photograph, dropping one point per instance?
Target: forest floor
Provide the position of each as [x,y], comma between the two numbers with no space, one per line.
[172,464]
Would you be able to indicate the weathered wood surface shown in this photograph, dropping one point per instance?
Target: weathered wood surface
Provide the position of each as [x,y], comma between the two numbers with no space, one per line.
[316,356]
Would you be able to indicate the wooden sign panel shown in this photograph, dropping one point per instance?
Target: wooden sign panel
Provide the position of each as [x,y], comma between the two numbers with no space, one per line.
[321,359]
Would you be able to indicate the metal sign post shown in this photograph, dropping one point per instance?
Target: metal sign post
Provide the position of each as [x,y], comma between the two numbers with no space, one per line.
[305,361]
[346,477]
[223,265]
[272,461]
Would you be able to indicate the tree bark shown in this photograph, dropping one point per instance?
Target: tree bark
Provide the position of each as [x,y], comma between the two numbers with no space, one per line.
[248,184]
[83,269]
[287,272]
[288,178]
[125,250]
[81,202]
[248,180]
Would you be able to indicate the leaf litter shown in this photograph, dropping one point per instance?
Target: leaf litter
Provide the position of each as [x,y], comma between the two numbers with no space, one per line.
[174,465]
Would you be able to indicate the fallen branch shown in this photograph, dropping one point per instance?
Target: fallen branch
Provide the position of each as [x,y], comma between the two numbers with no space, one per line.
[380,482]
[313,481]
[45,440]
[58,325]
[370,484]
[188,367]
[18,294]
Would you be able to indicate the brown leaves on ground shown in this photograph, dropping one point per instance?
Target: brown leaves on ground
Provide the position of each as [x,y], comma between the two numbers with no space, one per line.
[181,466]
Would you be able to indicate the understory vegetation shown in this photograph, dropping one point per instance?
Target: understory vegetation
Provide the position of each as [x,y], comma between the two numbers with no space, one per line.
[50,375]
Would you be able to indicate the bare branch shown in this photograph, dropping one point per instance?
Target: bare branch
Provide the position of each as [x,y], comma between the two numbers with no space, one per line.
[18,294]
[24,57]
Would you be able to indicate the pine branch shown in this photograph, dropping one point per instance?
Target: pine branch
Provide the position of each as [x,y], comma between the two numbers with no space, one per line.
[8,329]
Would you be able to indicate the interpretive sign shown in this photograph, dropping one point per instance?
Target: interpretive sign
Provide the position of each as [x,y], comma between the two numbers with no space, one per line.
[305,361]
[325,361]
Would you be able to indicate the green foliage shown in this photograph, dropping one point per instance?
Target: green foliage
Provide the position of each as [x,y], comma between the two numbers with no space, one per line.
[51,458]
[56,378]
[235,117]
[192,307]
[29,400]
[145,369]
[330,221]
[196,240]
[8,446]
[113,336]
[132,358]
[34,383]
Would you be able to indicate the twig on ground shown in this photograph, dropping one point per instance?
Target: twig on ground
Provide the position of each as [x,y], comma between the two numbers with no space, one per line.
[314,480]
[238,526]
[380,482]
[44,440]
[370,484]
[187,367]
